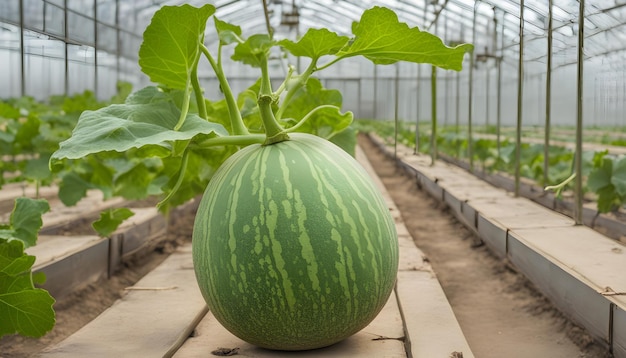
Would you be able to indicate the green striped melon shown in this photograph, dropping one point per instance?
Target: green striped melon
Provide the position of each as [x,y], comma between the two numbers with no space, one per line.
[294,247]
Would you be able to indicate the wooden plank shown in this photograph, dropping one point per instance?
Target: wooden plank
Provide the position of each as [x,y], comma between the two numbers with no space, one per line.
[383,337]
[431,327]
[151,320]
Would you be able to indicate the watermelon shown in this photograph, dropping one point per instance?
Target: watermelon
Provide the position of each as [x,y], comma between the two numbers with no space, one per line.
[294,247]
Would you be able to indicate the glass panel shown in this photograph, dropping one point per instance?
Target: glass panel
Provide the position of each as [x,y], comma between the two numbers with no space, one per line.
[44,65]
[10,10]
[107,38]
[33,14]
[80,28]
[106,11]
[10,57]
[81,68]
[83,7]
[129,45]
[107,75]
[55,20]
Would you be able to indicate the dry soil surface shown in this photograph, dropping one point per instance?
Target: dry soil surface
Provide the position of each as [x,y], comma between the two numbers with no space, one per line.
[500,312]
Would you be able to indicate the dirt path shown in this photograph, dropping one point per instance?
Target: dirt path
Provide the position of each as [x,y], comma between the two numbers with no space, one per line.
[500,312]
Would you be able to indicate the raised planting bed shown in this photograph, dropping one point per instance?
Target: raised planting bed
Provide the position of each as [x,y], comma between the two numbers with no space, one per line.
[165,315]
[68,249]
[580,270]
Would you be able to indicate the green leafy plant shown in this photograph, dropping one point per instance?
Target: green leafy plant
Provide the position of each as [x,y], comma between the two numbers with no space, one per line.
[24,309]
[608,180]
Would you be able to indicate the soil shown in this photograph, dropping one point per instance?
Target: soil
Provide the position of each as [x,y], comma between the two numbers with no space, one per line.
[500,312]
[81,307]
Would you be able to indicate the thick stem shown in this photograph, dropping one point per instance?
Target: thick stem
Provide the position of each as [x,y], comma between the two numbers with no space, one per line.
[195,83]
[185,109]
[273,131]
[236,121]
[238,140]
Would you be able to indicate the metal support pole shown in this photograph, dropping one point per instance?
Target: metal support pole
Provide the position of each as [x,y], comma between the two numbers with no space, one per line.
[499,60]
[396,103]
[578,186]
[95,47]
[417,110]
[375,91]
[470,95]
[546,145]
[67,65]
[433,134]
[22,51]
[520,97]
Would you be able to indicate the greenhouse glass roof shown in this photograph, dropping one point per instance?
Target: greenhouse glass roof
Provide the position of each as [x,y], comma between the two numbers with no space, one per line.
[497,22]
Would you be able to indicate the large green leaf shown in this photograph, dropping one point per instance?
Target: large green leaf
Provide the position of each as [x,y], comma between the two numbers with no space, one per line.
[381,38]
[315,43]
[171,43]
[120,127]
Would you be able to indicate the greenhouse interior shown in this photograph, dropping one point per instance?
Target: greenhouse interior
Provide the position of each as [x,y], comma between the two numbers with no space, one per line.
[475,151]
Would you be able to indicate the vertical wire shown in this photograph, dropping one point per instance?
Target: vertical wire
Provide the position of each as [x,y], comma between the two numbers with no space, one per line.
[470,96]
[520,97]
[433,135]
[500,58]
[578,189]
[546,145]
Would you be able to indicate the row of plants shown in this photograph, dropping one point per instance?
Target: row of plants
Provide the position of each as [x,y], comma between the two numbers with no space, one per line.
[605,174]
[30,131]
[169,140]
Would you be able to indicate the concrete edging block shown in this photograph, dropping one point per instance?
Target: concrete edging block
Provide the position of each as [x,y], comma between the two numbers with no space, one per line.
[582,303]
[430,324]
[492,234]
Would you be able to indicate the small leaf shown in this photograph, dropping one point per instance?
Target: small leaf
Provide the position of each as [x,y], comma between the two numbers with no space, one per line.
[600,176]
[73,188]
[381,38]
[227,33]
[315,43]
[110,220]
[38,169]
[26,219]
[254,50]
[171,43]
[619,176]
[346,140]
